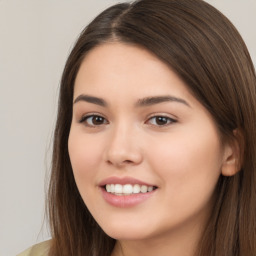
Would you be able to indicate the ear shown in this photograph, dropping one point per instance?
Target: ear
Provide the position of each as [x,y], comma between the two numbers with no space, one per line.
[233,151]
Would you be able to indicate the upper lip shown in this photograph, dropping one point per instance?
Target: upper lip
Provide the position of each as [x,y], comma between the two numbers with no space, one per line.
[123,181]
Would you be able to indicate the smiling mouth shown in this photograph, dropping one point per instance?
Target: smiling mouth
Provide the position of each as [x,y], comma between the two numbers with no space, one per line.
[128,189]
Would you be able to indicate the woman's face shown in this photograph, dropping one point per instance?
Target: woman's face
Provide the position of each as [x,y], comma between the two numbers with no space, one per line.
[146,155]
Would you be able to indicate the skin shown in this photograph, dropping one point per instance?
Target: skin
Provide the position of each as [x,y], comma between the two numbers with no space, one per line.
[183,155]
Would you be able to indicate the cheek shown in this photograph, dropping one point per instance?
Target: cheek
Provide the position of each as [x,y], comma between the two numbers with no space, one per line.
[189,167]
[184,155]
[85,157]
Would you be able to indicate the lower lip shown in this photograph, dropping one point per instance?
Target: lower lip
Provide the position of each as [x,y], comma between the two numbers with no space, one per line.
[127,200]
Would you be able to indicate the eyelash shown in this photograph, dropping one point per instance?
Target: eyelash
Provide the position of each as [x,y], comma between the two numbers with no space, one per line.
[85,119]
[161,118]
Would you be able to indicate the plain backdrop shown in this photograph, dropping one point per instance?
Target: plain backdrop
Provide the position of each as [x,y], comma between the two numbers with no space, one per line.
[35,39]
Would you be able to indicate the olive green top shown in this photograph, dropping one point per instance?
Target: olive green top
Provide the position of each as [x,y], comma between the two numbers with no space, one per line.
[40,249]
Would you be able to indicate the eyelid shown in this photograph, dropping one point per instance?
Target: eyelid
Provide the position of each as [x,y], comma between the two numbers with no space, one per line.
[84,117]
[155,115]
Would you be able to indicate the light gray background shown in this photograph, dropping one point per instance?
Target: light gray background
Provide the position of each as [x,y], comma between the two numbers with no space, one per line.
[35,39]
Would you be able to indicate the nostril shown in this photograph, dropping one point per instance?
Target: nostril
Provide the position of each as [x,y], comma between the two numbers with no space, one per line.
[128,161]
[120,163]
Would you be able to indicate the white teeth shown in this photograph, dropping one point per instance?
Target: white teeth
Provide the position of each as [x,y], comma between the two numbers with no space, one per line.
[118,189]
[136,189]
[143,189]
[128,189]
[108,188]
[150,189]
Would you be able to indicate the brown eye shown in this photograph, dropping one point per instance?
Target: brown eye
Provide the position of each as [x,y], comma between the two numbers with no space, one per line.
[161,120]
[97,120]
[93,120]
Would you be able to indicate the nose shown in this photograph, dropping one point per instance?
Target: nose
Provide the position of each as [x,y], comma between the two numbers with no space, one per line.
[123,147]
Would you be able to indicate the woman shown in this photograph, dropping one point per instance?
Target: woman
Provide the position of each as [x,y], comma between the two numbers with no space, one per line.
[154,149]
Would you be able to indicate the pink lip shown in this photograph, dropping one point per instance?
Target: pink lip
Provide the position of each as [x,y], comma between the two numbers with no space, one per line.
[122,181]
[124,200]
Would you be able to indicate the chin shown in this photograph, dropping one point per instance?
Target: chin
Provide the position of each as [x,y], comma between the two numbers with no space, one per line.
[127,235]
[127,232]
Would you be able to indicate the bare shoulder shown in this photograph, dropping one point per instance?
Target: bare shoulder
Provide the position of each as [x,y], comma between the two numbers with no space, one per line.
[40,249]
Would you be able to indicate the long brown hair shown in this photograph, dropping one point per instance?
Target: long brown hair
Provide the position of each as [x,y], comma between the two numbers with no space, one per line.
[206,51]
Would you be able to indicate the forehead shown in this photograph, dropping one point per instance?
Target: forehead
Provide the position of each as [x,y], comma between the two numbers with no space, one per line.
[118,67]
[120,58]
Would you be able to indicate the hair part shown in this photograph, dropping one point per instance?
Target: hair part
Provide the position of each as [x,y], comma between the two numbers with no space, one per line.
[205,50]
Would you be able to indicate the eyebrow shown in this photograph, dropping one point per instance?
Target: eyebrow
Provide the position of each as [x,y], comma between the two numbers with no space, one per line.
[148,101]
[91,99]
